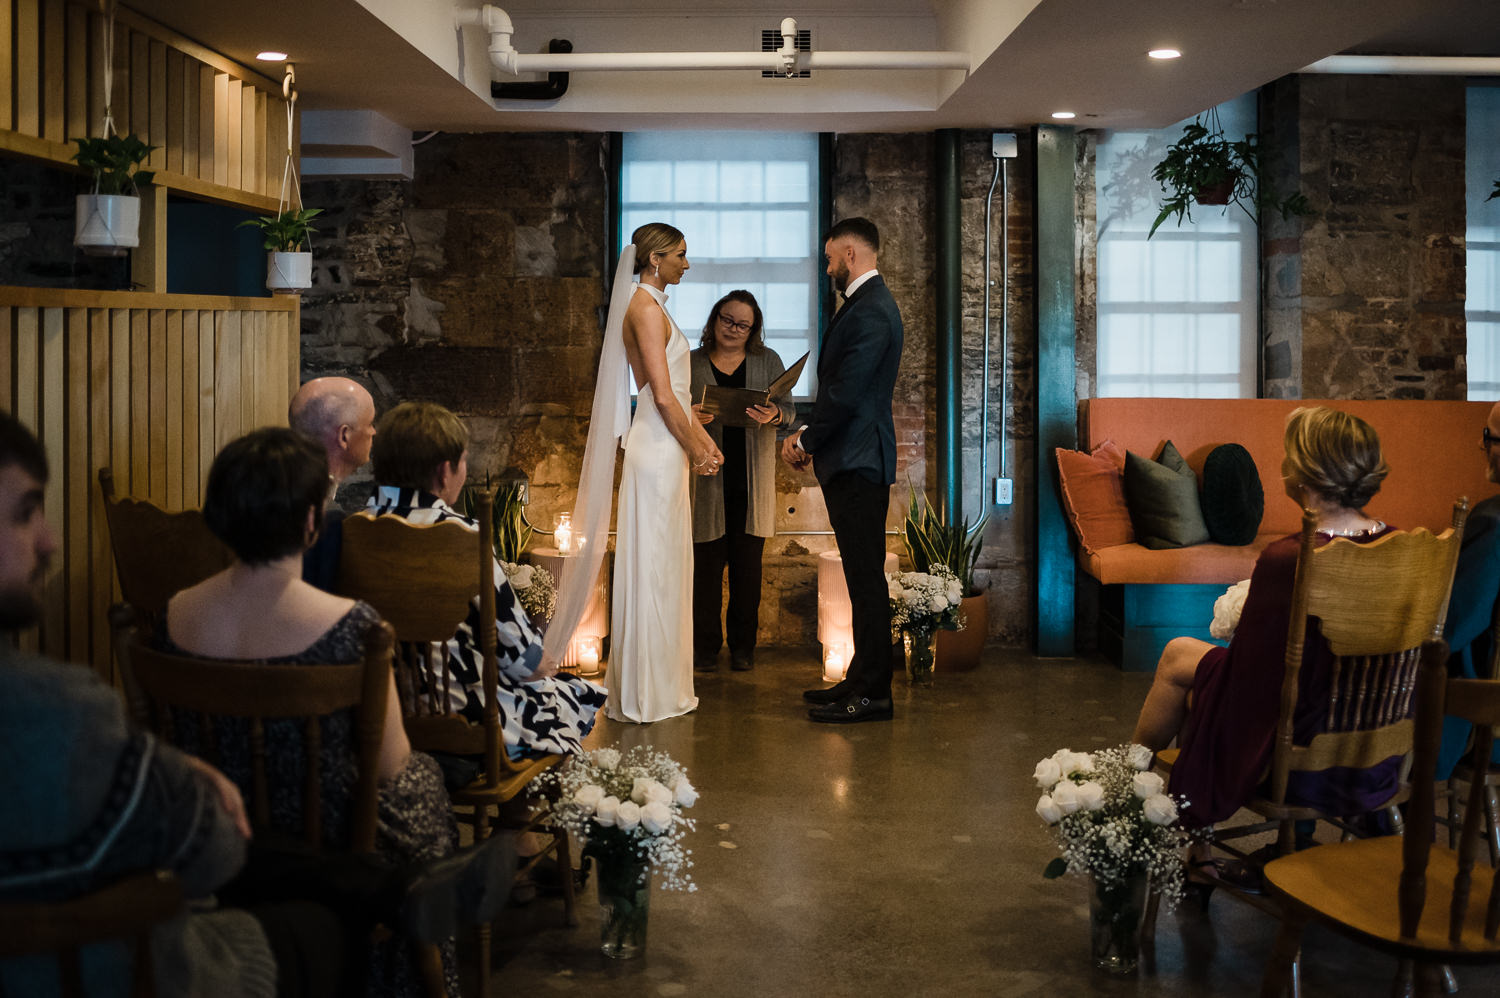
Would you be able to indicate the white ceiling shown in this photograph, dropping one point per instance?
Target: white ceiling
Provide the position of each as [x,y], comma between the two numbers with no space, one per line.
[407,60]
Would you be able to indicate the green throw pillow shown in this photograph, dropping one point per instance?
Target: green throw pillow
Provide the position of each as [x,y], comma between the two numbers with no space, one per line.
[1233,500]
[1162,497]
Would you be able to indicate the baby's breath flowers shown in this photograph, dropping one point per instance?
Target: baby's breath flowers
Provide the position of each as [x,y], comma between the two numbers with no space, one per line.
[534,586]
[627,808]
[1113,817]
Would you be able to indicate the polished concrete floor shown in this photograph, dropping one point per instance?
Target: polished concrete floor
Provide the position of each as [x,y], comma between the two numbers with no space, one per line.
[897,858]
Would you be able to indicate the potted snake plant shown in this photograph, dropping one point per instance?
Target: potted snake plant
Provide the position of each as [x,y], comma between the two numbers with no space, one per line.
[288,262]
[109,219]
[931,540]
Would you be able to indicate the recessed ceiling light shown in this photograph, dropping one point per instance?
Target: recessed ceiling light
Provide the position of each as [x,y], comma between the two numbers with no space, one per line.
[270,56]
[1164,54]
[1063,114]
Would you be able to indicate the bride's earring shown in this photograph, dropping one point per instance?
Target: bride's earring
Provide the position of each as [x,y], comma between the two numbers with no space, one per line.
[656,270]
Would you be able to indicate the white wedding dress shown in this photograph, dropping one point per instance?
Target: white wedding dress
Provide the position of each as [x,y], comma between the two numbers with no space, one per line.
[650,672]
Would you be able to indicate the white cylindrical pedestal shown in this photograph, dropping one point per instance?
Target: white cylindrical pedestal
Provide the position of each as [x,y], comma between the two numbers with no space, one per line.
[835,615]
[585,652]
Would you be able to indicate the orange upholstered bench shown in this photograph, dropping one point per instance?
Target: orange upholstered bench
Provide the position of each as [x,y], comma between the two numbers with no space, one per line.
[1150,597]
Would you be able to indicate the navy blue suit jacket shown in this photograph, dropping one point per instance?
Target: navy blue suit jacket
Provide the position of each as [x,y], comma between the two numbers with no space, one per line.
[851,428]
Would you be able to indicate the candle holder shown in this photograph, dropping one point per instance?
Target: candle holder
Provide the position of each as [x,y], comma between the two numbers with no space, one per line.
[562,533]
[836,661]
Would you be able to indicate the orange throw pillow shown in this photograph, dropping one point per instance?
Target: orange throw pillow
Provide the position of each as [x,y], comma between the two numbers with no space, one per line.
[1094,495]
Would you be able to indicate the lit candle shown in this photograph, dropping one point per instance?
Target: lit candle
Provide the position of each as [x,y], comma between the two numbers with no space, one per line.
[564,533]
[588,655]
[835,662]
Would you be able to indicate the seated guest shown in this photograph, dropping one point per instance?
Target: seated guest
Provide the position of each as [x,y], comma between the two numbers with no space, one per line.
[73,770]
[1472,607]
[421,462]
[1222,703]
[263,499]
[340,415]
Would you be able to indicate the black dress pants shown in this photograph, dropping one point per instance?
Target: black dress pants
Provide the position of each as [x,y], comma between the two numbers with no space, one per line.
[742,554]
[856,510]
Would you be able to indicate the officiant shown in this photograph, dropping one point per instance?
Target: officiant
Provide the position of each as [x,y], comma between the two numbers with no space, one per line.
[734,511]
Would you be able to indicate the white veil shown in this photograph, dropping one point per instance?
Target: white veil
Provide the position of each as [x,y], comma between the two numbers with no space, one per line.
[596,481]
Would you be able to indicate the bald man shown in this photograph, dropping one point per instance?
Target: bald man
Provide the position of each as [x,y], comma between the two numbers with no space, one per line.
[340,415]
[1476,589]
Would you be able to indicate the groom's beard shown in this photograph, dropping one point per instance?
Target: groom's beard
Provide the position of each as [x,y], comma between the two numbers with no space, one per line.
[841,278]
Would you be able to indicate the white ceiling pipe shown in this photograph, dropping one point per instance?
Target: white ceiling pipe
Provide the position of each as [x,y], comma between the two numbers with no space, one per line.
[504,57]
[1407,65]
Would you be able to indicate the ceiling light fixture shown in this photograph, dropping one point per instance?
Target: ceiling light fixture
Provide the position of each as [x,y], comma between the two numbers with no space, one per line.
[1164,54]
[1063,114]
[271,56]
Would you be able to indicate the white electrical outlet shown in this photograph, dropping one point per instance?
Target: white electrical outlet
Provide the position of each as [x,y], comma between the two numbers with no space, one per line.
[1003,492]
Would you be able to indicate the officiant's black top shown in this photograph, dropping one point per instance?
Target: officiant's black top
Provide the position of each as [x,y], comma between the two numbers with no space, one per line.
[736,479]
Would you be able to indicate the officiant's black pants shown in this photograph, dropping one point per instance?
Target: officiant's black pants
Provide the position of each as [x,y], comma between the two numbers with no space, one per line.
[856,510]
[743,554]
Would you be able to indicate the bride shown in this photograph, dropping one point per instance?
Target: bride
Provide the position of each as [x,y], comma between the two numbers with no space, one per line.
[650,674]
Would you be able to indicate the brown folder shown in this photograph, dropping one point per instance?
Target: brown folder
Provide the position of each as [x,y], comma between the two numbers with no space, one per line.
[728,405]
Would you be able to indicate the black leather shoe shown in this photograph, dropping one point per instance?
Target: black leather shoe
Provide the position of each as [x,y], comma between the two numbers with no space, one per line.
[741,661]
[827,694]
[852,711]
[706,663]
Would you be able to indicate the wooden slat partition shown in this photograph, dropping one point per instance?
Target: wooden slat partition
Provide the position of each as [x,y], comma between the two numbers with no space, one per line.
[149,386]
[221,126]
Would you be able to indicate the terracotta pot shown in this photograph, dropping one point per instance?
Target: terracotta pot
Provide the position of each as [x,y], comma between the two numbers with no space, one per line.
[959,651]
[1219,193]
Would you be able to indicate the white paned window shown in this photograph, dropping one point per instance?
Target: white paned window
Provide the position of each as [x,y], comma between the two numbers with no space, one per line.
[1482,301]
[1177,313]
[747,204]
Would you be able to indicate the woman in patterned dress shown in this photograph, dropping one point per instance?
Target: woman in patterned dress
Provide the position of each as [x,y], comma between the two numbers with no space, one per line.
[420,461]
[264,499]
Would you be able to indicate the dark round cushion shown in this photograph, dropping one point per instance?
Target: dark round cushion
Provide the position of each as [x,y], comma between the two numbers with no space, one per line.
[1233,501]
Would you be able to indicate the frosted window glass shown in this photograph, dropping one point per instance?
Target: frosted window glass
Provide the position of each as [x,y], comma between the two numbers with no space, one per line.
[1482,294]
[749,214]
[1171,309]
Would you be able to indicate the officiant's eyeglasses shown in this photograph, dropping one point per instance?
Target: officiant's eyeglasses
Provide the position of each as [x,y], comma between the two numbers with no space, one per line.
[745,327]
[1489,438]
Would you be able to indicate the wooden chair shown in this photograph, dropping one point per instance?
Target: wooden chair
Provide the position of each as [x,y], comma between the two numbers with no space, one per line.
[422,579]
[1375,604]
[157,554]
[1406,896]
[128,909]
[1462,777]
[175,687]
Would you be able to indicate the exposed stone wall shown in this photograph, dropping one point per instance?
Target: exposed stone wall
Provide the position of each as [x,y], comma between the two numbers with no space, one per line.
[1366,299]
[479,284]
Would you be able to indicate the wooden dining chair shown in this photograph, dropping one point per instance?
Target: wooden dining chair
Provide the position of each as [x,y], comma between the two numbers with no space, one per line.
[1409,896]
[157,554]
[1375,604]
[1464,774]
[189,701]
[423,578]
[127,910]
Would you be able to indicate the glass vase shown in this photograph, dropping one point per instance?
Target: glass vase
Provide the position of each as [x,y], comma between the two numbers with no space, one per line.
[624,905]
[919,658]
[1117,910]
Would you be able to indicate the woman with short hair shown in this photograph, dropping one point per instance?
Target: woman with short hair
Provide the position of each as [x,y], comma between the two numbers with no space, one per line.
[421,463]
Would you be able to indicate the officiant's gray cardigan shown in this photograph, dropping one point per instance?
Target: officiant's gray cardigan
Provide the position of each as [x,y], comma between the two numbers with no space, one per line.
[760,454]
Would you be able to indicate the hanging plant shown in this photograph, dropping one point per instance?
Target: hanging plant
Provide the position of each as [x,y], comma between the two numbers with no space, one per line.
[286,233]
[1204,167]
[108,219]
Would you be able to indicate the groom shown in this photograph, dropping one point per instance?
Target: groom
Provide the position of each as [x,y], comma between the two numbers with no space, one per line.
[851,441]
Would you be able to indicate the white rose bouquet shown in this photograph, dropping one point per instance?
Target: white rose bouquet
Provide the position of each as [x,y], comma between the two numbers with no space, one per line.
[1112,817]
[627,810]
[535,588]
[1227,610]
[923,602]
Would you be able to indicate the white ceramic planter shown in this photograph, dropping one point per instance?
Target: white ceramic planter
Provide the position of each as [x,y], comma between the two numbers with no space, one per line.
[288,271]
[107,224]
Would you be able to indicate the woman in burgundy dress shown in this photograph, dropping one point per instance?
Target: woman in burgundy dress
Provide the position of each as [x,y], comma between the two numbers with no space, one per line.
[1222,703]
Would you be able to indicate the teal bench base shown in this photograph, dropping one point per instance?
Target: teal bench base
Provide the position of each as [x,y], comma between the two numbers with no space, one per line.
[1136,620]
